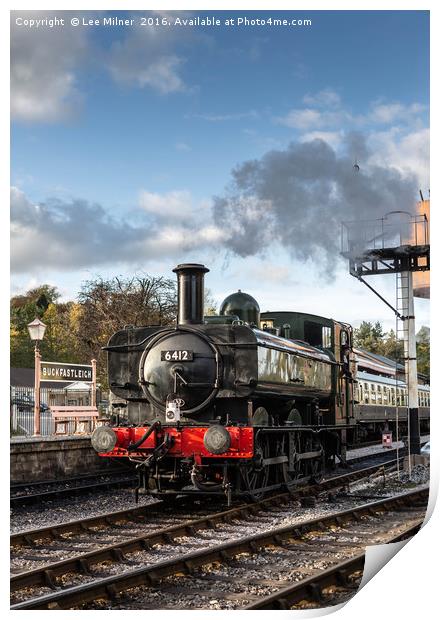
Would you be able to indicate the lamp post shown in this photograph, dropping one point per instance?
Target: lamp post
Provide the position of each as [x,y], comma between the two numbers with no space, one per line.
[36,332]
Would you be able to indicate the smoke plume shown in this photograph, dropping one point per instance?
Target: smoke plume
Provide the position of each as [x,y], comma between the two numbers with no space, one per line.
[298,197]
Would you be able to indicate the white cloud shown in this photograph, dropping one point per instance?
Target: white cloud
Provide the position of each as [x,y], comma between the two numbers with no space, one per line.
[301,119]
[308,118]
[386,113]
[218,118]
[324,98]
[406,151]
[150,57]
[326,112]
[182,146]
[160,74]
[68,236]
[334,138]
[44,64]
[172,204]
[395,133]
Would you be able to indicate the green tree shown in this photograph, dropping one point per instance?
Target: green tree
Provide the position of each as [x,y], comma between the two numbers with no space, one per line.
[24,309]
[393,347]
[369,337]
[423,350]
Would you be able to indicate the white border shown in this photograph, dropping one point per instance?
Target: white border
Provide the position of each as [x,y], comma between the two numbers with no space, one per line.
[407,585]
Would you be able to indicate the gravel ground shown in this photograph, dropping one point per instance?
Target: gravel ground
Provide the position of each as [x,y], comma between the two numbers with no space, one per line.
[59,511]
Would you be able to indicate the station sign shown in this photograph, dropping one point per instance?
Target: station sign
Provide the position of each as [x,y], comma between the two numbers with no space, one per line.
[57,371]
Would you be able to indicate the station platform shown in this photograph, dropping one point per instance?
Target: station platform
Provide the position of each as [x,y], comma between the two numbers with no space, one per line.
[379,449]
[49,458]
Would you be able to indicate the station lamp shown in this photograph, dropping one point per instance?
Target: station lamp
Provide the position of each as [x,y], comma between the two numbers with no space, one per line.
[36,331]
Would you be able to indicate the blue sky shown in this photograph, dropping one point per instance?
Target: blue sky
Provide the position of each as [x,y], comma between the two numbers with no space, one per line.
[139,128]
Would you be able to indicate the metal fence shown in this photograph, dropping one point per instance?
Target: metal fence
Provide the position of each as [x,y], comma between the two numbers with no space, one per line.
[22,401]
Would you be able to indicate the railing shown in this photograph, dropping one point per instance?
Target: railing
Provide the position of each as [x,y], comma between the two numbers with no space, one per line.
[396,229]
[22,409]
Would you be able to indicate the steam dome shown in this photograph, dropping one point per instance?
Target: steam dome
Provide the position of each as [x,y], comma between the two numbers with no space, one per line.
[242,305]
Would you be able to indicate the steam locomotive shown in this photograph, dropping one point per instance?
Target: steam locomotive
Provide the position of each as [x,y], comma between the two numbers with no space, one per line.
[237,404]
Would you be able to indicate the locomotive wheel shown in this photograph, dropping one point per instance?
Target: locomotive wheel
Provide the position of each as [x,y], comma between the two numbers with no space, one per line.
[256,475]
[317,470]
[260,417]
[290,477]
[316,467]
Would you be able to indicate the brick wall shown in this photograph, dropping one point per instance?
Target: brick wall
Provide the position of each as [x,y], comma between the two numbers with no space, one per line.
[52,458]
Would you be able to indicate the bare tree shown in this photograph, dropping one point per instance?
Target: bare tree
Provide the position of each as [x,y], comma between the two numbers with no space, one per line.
[108,305]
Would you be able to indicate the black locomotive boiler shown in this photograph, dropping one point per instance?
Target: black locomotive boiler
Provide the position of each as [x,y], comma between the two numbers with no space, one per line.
[237,404]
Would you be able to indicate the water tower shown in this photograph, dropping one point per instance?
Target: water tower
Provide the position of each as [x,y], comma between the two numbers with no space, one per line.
[396,244]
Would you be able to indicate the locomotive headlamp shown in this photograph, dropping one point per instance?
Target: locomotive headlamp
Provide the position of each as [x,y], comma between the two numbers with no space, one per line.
[103,439]
[172,409]
[217,439]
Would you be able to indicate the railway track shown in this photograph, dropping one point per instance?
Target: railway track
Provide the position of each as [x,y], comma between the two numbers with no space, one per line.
[322,588]
[39,492]
[189,571]
[51,576]
[53,532]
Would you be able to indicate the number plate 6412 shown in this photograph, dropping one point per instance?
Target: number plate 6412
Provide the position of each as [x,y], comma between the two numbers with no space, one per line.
[176,355]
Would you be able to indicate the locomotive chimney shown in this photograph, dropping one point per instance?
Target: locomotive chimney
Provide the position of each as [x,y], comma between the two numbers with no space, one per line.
[190,293]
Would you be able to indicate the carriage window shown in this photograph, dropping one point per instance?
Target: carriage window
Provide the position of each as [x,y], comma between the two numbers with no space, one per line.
[385,396]
[404,401]
[379,395]
[361,394]
[366,393]
[429,399]
[373,393]
[393,396]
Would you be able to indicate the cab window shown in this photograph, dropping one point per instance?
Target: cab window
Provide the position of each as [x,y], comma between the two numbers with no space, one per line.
[326,337]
